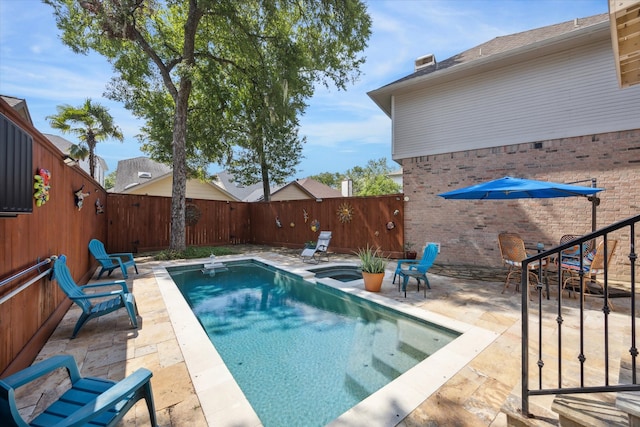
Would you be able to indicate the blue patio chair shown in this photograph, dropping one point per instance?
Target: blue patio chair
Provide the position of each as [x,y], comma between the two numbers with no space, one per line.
[117,299]
[416,269]
[309,254]
[89,401]
[110,262]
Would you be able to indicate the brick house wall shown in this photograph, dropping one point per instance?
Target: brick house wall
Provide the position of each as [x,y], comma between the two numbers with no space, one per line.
[467,230]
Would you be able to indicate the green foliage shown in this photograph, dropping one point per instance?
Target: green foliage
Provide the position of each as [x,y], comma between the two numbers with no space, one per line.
[371,261]
[79,151]
[333,180]
[375,185]
[110,181]
[408,246]
[370,180]
[90,123]
[208,76]
[192,252]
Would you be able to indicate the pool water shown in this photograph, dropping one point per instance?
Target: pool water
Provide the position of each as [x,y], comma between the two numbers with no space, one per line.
[302,353]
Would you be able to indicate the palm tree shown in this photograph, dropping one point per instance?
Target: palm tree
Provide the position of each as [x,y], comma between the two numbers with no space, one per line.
[91,123]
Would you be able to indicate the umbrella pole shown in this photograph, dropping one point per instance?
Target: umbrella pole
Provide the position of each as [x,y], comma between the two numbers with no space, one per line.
[594,204]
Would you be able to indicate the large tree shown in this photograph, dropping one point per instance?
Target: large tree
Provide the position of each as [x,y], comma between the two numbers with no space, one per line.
[370,180]
[91,123]
[373,179]
[179,63]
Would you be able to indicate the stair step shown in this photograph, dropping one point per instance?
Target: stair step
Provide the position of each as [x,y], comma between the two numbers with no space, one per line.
[588,410]
[629,401]
[379,356]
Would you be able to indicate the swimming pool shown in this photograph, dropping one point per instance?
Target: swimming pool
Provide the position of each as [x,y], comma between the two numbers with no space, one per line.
[224,403]
[302,353]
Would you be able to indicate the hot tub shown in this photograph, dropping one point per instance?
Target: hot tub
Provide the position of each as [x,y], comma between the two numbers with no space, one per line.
[343,273]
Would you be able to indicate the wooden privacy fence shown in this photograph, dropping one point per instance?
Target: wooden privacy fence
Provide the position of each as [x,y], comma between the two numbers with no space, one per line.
[353,221]
[31,305]
[140,223]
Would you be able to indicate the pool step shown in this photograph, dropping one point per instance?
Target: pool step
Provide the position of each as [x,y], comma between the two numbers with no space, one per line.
[375,361]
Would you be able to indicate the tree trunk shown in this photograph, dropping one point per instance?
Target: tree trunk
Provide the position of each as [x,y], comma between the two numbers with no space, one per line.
[181,98]
[264,170]
[91,142]
[179,189]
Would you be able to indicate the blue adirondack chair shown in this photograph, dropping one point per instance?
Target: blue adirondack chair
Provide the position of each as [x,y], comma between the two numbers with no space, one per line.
[109,262]
[120,298]
[410,268]
[89,401]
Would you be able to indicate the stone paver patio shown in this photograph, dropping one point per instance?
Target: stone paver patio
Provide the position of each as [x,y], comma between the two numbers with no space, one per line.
[474,396]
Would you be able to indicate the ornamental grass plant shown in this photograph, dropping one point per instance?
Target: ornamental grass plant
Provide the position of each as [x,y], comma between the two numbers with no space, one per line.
[371,261]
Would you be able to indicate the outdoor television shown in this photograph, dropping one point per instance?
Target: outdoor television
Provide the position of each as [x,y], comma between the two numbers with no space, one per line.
[16,170]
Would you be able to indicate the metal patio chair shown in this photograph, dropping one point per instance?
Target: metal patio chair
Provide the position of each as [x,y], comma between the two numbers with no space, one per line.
[585,272]
[513,252]
[322,245]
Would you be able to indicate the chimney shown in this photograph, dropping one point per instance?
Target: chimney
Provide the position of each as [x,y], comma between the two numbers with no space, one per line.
[347,188]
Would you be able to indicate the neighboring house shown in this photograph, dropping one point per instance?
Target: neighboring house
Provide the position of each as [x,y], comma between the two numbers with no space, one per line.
[396,176]
[20,106]
[243,193]
[142,175]
[542,104]
[306,188]
[65,145]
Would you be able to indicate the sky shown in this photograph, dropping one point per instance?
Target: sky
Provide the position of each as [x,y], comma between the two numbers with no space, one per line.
[343,129]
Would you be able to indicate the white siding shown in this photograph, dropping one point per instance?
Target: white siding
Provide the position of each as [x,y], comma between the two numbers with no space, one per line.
[290,192]
[195,189]
[572,93]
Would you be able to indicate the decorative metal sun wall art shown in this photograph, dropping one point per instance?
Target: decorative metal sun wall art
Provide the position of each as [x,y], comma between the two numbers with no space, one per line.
[345,213]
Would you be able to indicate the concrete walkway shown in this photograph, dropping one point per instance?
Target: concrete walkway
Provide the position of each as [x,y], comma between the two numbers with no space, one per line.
[475,396]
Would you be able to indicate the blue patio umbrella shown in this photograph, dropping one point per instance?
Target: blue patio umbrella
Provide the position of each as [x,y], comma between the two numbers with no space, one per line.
[520,188]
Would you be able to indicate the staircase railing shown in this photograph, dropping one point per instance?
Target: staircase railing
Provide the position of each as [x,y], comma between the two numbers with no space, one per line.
[553,257]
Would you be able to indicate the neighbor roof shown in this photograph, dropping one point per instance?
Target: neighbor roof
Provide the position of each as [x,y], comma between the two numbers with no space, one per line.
[318,189]
[136,171]
[64,145]
[510,42]
[229,184]
[19,105]
[255,193]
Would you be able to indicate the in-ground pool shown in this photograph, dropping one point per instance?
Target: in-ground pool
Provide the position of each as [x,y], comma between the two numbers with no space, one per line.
[343,273]
[302,353]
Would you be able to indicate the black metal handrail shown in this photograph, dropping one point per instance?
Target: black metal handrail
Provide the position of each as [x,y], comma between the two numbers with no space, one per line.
[556,254]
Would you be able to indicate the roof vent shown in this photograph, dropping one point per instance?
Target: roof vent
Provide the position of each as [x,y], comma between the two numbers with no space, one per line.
[146,175]
[424,61]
